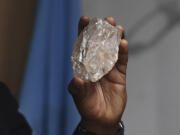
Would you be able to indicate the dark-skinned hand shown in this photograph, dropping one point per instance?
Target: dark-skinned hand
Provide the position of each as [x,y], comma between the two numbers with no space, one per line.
[101,104]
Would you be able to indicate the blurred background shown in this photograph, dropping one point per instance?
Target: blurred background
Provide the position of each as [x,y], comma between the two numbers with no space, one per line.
[36,39]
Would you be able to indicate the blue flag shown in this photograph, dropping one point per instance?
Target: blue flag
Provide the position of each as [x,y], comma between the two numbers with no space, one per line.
[45,101]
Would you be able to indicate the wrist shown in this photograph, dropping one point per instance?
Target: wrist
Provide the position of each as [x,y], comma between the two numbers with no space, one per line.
[100,129]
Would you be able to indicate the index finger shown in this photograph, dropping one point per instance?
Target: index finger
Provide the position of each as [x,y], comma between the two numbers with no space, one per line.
[83,22]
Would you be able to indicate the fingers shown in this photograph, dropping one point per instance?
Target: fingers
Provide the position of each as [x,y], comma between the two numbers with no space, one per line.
[110,20]
[122,30]
[76,85]
[123,48]
[117,74]
[83,22]
[123,56]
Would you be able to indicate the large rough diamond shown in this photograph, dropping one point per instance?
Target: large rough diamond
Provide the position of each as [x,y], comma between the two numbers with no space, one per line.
[96,50]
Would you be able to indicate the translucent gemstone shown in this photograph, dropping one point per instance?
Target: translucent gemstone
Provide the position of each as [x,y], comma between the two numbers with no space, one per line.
[96,50]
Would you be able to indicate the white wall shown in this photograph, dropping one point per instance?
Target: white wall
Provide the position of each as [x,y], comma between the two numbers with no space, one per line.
[153,80]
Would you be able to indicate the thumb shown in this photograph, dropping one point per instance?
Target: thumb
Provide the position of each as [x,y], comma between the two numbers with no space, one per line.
[76,86]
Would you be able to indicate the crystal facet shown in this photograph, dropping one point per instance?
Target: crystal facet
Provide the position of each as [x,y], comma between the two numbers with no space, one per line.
[96,50]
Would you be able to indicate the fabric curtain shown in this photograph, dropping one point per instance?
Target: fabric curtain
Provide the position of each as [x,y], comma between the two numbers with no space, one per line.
[45,101]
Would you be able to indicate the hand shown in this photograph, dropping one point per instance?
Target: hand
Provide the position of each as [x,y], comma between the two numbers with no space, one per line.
[101,104]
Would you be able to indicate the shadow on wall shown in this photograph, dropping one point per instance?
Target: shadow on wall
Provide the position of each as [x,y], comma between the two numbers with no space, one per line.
[171,10]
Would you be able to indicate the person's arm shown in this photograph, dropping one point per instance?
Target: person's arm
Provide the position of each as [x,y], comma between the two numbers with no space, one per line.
[11,121]
[101,104]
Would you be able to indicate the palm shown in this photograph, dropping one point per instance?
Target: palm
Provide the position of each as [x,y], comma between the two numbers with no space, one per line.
[103,101]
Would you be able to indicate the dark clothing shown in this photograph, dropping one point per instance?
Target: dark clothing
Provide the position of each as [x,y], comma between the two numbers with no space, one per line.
[11,121]
[80,131]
